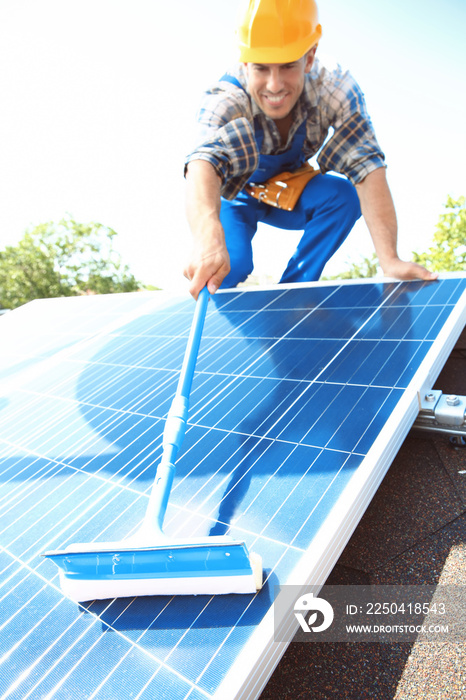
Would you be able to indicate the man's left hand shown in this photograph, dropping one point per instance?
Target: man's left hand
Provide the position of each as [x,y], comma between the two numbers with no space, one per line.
[403,270]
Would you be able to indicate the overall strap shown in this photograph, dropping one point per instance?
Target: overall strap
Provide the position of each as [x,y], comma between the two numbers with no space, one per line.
[231,79]
[257,128]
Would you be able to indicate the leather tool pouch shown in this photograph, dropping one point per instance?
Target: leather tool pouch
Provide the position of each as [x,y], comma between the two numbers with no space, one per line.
[283,190]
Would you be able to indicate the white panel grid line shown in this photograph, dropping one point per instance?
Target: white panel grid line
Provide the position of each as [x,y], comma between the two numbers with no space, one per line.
[379,453]
[39,454]
[121,445]
[106,497]
[106,423]
[233,382]
[93,620]
[48,363]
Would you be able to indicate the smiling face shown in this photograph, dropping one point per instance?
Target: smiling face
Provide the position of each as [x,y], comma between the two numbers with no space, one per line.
[276,87]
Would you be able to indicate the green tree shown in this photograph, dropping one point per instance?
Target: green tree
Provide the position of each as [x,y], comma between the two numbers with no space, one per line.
[447,253]
[448,250]
[62,259]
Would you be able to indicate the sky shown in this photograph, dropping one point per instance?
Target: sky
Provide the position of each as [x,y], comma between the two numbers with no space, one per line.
[98,112]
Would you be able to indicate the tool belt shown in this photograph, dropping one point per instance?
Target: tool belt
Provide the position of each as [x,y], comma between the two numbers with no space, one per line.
[283,190]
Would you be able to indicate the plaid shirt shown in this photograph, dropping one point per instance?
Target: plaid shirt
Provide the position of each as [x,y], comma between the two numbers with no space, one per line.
[331,100]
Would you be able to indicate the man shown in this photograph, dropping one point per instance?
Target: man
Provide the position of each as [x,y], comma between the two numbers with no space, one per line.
[271,114]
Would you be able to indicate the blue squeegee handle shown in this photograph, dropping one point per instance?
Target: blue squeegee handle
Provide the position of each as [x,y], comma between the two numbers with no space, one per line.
[192,348]
[175,425]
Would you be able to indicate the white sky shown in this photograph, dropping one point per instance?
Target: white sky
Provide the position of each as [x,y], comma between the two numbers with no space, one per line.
[99,98]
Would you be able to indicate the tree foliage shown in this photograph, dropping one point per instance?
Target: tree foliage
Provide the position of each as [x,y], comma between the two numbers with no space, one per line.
[62,259]
[446,254]
[448,250]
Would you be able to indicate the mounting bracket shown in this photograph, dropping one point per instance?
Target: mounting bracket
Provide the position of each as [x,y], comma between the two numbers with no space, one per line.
[441,413]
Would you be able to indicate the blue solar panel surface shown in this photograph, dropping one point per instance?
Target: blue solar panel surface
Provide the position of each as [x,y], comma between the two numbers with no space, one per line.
[292,388]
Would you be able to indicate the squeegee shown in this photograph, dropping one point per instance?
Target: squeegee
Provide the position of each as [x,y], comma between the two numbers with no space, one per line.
[151,562]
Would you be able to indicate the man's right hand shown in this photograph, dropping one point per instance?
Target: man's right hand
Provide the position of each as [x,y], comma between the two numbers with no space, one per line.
[210,262]
[208,266]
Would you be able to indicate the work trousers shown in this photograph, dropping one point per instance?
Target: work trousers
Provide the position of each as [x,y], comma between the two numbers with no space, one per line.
[326,212]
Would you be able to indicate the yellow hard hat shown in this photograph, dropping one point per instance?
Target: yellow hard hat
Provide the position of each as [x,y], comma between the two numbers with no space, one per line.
[277,31]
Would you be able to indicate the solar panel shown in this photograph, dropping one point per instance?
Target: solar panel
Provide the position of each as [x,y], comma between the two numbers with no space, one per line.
[301,399]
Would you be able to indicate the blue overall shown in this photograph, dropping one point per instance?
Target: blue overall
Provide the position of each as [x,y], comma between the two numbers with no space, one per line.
[326,211]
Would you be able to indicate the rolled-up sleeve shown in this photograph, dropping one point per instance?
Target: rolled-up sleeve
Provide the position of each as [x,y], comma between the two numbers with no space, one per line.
[352,149]
[226,138]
